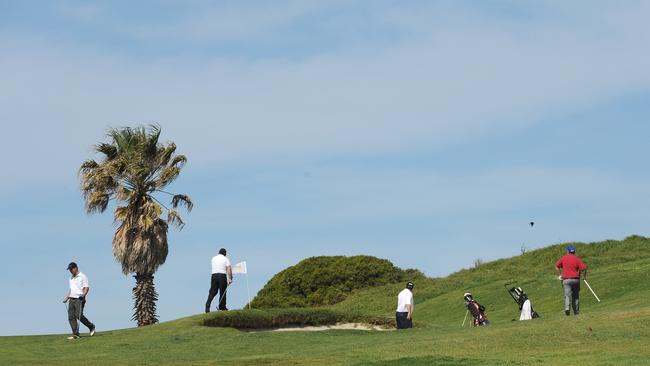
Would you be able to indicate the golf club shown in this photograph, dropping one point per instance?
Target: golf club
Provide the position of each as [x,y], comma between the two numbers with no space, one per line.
[510,293]
[222,295]
[592,291]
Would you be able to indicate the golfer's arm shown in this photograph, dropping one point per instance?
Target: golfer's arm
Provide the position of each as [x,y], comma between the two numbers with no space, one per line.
[557,269]
[229,270]
[584,274]
[85,291]
[409,308]
[67,295]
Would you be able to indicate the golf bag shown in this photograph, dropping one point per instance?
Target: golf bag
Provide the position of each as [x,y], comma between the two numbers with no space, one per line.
[477,310]
[524,303]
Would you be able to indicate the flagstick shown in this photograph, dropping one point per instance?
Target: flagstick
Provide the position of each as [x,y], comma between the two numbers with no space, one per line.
[465,318]
[248,290]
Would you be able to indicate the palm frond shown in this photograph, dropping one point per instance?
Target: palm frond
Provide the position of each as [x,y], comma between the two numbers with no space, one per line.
[174,218]
[154,132]
[178,161]
[150,141]
[87,166]
[124,192]
[166,154]
[109,150]
[120,138]
[138,250]
[167,175]
[96,202]
[121,214]
[182,199]
[145,222]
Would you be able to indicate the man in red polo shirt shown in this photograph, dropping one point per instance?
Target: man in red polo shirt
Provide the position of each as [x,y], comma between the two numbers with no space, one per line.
[571,266]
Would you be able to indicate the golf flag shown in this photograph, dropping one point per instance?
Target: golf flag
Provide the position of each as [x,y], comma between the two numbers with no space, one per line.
[239,268]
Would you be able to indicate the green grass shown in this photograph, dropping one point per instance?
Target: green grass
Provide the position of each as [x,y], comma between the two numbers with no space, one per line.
[613,332]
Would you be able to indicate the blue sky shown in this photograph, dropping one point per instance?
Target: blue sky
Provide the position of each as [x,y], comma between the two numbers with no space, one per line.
[429,133]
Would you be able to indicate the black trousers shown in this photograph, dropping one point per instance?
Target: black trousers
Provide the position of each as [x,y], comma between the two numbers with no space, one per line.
[402,321]
[76,313]
[218,283]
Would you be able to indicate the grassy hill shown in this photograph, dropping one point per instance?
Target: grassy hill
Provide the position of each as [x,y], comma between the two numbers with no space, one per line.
[613,332]
[618,271]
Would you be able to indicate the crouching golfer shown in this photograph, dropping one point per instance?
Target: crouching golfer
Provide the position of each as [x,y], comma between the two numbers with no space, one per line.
[571,266]
[220,267]
[404,312]
[76,299]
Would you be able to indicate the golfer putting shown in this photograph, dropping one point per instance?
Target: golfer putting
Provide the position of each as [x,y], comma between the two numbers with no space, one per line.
[76,300]
[569,268]
[404,312]
[218,283]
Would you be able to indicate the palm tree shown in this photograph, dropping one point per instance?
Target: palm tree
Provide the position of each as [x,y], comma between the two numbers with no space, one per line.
[134,166]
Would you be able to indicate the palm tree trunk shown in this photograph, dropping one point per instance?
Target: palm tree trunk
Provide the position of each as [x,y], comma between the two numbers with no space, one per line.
[145,297]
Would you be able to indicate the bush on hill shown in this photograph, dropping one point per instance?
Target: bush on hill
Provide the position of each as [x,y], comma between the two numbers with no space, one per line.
[328,280]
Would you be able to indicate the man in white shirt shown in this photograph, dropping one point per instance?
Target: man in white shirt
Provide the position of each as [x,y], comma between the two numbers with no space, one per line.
[76,299]
[404,312]
[220,267]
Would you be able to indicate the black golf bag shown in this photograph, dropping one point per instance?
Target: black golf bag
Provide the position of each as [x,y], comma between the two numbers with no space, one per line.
[477,310]
[521,298]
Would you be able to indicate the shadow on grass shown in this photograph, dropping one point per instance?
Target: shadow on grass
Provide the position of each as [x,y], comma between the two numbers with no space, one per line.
[428,361]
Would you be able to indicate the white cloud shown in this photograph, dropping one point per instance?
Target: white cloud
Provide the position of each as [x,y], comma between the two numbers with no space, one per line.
[466,78]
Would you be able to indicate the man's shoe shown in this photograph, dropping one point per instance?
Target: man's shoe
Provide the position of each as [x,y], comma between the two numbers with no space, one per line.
[92,331]
[74,336]
[567,312]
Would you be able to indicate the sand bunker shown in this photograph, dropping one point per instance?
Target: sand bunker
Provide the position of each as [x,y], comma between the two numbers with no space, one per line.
[309,328]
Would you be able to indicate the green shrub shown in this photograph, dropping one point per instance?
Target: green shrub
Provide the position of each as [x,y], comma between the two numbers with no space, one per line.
[327,280]
[276,318]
